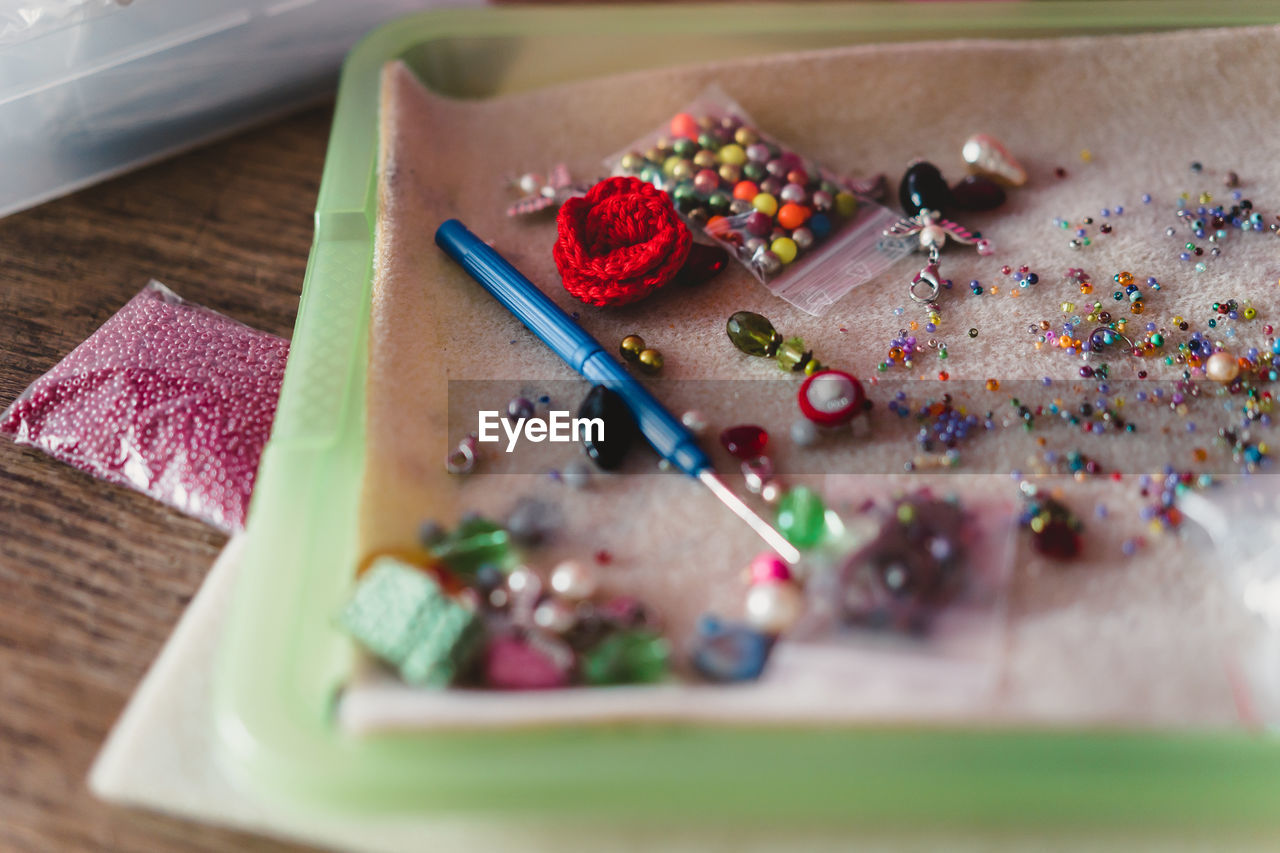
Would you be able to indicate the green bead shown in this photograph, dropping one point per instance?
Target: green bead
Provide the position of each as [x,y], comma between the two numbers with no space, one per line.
[802,517]
[402,615]
[791,354]
[708,141]
[685,148]
[686,197]
[474,543]
[719,203]
[627,657]
[753,334]
[1157,339]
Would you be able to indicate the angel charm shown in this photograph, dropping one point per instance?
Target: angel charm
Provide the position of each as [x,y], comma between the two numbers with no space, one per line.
[542,193]
[934,231]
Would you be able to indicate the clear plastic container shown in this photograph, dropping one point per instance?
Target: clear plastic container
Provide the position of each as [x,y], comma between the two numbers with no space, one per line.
[91,89]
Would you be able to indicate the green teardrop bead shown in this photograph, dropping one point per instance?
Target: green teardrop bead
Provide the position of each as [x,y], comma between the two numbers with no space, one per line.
[802,517]
[753,334]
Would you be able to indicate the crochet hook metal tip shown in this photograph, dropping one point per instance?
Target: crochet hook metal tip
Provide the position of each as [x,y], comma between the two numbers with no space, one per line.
[763,529]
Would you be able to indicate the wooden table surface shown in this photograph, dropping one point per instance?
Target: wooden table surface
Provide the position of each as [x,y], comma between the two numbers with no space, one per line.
[93,577]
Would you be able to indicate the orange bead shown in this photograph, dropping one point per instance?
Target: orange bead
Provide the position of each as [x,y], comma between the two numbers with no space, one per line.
[745,190]
[717,225]
[792,216]
[684,125]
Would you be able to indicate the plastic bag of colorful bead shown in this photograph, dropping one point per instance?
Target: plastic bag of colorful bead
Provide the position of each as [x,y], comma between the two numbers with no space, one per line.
[909,598]
[1237,527]
[808,234]
[166,397]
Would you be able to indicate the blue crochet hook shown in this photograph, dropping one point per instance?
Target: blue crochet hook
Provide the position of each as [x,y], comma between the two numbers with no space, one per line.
[584,354]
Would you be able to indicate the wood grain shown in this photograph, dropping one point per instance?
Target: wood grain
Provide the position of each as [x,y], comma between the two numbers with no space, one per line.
[93,577]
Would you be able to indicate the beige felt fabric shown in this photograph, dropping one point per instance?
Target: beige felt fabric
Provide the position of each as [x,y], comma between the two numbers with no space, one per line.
[1146,640]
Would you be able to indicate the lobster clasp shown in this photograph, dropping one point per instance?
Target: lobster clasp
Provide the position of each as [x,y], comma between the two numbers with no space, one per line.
[926,284]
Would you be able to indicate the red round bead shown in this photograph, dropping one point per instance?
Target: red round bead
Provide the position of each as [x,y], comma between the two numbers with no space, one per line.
[831,397]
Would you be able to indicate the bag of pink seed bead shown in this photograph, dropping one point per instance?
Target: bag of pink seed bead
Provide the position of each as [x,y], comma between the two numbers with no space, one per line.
[166,397]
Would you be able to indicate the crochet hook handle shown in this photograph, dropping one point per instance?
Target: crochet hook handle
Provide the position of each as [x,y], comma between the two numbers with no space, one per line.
[572,343]
[585,354]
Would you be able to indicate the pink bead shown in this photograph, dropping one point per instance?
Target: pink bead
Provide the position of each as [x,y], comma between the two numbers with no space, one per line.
[768,567]
[706,181]
[516,664]
[985,247]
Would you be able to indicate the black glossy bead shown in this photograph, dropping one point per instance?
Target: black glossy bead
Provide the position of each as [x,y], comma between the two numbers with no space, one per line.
[620,430]
[923,188]
[977,193]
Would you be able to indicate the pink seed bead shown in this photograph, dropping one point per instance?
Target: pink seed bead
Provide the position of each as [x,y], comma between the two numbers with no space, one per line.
[768,567]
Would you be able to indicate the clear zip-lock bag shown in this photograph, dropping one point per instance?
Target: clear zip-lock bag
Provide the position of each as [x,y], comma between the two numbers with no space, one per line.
[804,232]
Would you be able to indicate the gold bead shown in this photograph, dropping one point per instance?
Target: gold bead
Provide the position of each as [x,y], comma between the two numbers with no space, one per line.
[631,347]
[650,360]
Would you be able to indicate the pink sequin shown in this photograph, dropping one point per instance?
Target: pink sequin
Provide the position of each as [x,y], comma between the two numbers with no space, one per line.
[167,397]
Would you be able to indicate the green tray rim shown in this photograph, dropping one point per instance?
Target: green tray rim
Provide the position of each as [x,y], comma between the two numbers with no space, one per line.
[276,671]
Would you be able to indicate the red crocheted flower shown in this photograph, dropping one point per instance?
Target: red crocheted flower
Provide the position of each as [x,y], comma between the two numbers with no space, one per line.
[619,242]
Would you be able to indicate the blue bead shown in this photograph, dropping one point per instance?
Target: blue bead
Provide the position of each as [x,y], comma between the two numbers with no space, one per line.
[820,224]
[729,652]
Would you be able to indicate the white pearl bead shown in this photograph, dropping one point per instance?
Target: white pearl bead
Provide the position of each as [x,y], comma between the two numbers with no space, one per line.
[530,183]
[554,616]
[694,421]
[771,492]
[574,580]
[774,607]
[933,235]
[1222,367]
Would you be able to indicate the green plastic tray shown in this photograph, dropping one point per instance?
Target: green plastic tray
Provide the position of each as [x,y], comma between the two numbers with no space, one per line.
[282,662]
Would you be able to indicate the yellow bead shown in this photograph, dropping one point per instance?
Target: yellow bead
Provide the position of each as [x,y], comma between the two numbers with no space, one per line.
[846,204]
[733,154]
[765,203]
[1068,307]
[784,248]
[1086,156]
[631,347]
[993,384]
[650,360]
